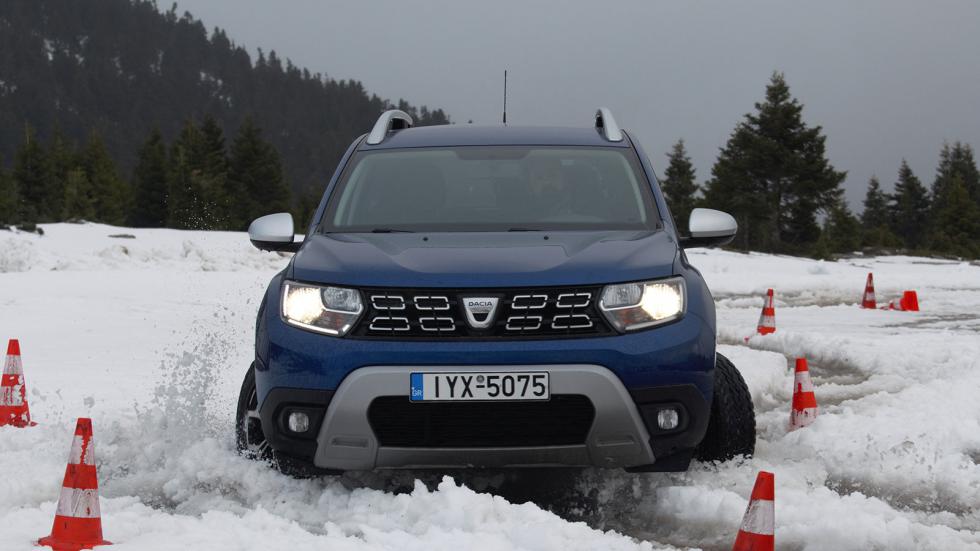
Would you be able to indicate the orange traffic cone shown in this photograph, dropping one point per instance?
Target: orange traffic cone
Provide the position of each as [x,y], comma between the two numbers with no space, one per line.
[868,300]
[757,532]
[13,393]
[78,521]
[804,400]
[909,302]
[767,321]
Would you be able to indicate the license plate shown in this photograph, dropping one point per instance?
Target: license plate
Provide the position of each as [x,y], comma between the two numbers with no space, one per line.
[434,387]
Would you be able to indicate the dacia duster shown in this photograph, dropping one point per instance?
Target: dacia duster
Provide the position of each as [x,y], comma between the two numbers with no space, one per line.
[491,297]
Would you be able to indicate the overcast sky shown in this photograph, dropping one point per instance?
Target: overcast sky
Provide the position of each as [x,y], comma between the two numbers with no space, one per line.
[885,78]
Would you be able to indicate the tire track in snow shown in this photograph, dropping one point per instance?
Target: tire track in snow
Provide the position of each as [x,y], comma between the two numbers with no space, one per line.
[843,383]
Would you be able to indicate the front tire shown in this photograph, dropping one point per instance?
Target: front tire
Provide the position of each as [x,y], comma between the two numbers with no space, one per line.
[250,438]
[731,424]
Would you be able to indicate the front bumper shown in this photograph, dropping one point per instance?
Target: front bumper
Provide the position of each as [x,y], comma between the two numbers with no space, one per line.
[623,432]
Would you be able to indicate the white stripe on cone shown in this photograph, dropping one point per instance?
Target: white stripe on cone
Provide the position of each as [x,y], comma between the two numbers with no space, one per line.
[13,366]
[10,396]
[803,417]
[803,382]
[760,517]
[77,503]
[76,458]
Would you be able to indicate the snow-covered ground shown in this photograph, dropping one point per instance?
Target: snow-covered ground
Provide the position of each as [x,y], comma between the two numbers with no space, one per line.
[150,335]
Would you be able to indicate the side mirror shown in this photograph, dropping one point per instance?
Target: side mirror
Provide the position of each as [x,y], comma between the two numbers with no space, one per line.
[274,232]
[709,228]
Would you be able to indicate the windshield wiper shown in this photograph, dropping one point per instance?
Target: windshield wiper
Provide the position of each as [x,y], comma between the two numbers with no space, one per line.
[523,229]
[390,230]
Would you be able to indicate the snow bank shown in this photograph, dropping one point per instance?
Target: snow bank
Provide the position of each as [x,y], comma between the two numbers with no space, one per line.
[95,247]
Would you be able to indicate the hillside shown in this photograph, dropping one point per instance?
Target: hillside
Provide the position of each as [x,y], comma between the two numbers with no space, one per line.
[123,67]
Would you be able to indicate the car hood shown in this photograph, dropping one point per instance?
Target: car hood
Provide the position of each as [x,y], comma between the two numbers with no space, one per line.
[476,259]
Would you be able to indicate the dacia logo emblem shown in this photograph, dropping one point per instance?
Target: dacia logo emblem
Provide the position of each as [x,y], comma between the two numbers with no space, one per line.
[480,311]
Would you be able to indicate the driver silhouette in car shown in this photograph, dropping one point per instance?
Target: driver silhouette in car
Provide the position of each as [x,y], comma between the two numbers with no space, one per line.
[549,191]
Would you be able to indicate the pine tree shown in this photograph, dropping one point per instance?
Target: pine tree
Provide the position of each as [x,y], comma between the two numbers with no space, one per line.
[957,222]
[306,207]
[956,162]
[62,159]
[186,205]
[150,184]
[110,193]
[956,202]
[77,203]
[875,212]
[876,217]
[31,176]
[255,175]
[734,189]
[679,185]
[774,177]
[841,231]
[944,174]
[212,172]
[909,208]
[9,198]
[968,171]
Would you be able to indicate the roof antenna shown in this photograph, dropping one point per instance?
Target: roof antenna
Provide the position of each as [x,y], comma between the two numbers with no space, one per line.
[505,97]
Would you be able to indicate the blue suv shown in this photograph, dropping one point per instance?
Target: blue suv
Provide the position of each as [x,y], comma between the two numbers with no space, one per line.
[491,297]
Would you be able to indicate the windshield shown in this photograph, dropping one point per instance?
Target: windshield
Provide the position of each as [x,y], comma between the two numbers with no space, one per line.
[492,189]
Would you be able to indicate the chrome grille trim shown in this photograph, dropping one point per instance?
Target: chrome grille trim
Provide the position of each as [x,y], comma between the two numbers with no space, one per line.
[376,319]
[531,304]
[578,300]
[571,324]
[421,298]
[423,323]
[511,327]
[376,298]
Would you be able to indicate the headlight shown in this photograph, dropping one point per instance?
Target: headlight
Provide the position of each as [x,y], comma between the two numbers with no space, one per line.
[630,306]
[330,310]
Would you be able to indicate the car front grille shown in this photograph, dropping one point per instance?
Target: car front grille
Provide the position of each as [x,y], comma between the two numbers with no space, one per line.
[562,421]
[520,313]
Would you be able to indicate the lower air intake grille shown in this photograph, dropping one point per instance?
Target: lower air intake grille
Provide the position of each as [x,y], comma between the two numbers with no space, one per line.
[564,420]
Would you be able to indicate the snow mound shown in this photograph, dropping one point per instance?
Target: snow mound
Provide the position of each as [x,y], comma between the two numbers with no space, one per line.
[96,247]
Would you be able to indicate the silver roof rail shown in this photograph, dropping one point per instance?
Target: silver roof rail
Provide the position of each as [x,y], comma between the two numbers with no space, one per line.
[610,130]
[392,119]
